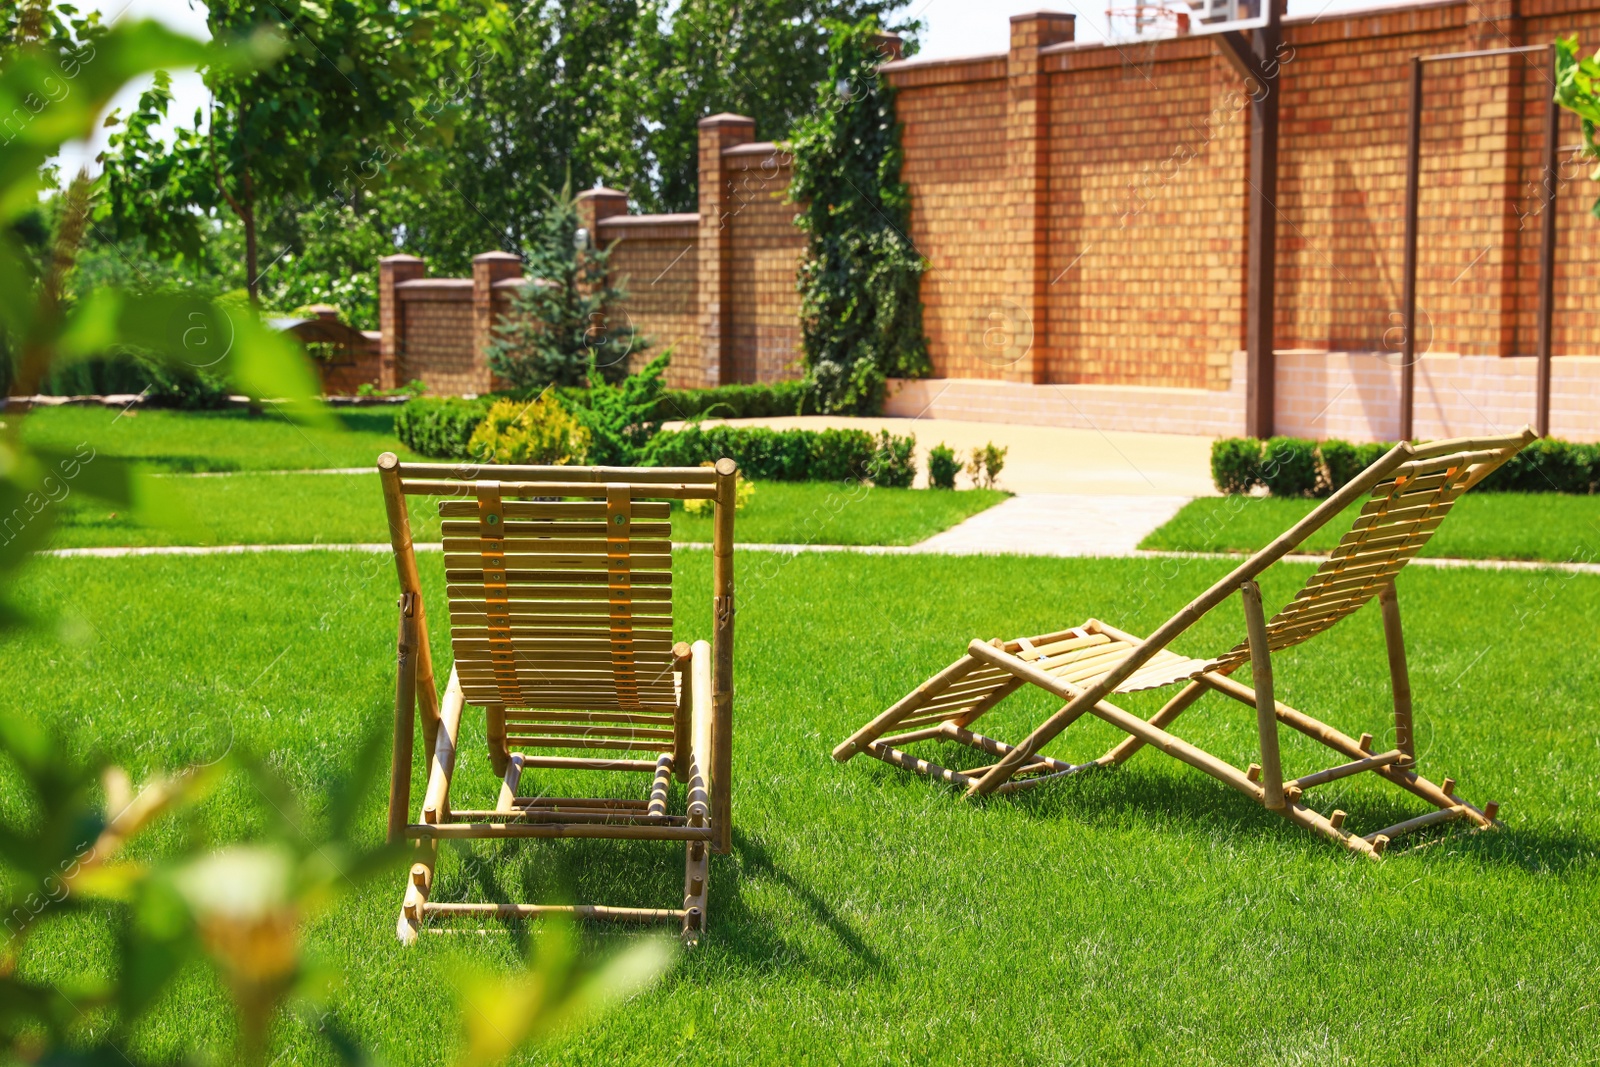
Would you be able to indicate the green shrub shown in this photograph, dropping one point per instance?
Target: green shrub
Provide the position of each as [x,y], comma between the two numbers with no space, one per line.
[942,467]
[1289,466]
[1340,463]
[894,461]
[1236,464]
[541,431]
[986,464]
[773,455]
[763,401]
[1545,466]
[622,418]
[162,384]
[439,426]
[1548,466]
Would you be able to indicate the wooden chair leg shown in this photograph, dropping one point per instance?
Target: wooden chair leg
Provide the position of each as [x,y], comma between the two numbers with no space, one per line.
[696,879]
[1399,676]
[419,883]
[495,728]
[682,719]
[1266,707]
[436,803]
[405,719]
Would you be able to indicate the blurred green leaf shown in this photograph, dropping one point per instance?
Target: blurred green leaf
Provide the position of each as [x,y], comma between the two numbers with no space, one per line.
[556,994]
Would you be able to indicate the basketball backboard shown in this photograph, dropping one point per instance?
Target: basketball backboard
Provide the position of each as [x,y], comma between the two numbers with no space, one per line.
[1153,20]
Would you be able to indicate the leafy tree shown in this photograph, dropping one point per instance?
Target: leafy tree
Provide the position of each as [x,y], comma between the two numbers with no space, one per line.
[762,58]
[554,90]
[560,324]
[1578,90]
[610,90]
[860,308]
[317,124]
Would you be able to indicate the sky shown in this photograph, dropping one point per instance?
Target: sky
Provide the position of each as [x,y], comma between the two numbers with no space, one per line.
[952,28]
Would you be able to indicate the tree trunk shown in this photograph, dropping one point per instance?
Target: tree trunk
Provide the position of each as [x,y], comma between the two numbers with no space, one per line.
[248,217]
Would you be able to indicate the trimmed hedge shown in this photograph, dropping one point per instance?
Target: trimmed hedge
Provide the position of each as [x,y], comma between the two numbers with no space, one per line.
[1294,466]
[440,426]
[742,401]
[763,401]
[763,454]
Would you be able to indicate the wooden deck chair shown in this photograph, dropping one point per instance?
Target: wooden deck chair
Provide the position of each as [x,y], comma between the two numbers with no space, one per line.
[1408,493]
[561,627]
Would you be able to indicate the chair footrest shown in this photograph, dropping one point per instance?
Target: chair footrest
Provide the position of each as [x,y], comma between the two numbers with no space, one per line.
[628,831]
[1421,822]
[1345,770]
[595,816]
[577,911]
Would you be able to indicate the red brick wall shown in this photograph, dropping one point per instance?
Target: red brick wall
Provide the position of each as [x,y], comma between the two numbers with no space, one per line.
[1147,221]
[954,144]
[437,347]
[1342,186]
[1083,210]
[657,258]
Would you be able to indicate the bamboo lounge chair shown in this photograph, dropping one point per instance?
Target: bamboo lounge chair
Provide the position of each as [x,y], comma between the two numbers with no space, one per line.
[561,626]
[1409,491]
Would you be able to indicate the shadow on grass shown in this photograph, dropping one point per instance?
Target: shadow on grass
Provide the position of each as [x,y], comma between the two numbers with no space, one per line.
[755,940]
[1106,797]
[650,875]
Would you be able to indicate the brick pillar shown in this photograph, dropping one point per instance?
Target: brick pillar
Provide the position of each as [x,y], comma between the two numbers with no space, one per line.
[718,204]
[488,268]
[597,204]
[392,270]
[1027,273]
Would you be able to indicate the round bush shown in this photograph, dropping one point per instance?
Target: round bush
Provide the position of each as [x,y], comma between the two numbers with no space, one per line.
[542,432]
[1236,464]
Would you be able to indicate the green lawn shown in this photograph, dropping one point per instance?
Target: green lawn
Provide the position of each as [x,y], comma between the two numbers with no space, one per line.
[1536,526]
[216,440]
[1145,914]
[266,509]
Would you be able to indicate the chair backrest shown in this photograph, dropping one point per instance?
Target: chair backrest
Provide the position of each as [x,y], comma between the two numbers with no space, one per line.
[1410,498]
[557,603]
[560,604]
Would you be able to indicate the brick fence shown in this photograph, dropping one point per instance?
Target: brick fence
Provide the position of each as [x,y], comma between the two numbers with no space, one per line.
[1083,210]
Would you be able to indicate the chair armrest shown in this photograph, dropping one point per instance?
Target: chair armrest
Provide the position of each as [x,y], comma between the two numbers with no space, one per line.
[701,712]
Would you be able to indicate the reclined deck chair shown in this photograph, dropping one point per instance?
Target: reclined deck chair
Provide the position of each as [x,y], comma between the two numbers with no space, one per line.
[1409,491]
[561,626]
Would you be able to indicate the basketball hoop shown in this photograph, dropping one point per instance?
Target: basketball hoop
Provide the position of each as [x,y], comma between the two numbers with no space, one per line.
[1148,20]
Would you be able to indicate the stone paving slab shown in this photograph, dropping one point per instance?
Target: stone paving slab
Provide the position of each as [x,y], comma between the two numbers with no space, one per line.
[1058,524]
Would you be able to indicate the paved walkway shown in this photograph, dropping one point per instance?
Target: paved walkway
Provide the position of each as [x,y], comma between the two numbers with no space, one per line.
[924,548]
[1058,524]
[1048,459]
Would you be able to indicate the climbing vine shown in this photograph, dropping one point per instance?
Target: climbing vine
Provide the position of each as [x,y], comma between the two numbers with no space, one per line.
[860,306]
[1578,90]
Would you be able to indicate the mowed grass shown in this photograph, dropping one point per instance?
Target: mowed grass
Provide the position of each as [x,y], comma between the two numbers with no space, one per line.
[277,509]
[1554,527]
[1144,914]
[216,440]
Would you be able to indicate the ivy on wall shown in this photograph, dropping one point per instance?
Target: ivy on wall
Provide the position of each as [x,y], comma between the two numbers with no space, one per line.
[860,307]
[1578,90]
